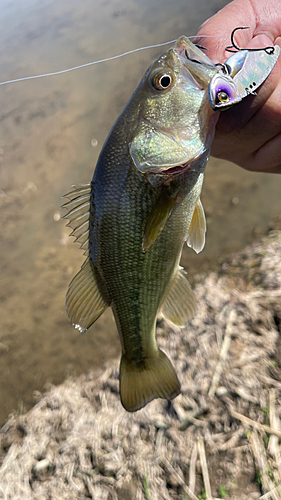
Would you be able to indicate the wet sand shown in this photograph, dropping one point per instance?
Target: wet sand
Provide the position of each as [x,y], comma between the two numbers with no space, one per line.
[51,132]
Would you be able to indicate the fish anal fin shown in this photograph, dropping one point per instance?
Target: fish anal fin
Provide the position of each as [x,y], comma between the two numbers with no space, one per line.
[155,378]
[197,229]
[157,219]
[179,306]
[84,301]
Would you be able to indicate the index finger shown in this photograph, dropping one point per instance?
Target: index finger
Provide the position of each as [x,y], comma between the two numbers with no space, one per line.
[262,18]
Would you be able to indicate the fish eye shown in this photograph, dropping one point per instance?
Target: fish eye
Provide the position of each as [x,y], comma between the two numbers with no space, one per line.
[222,96]
[162,81]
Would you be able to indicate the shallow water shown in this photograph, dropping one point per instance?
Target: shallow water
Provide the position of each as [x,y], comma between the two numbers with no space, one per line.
[51,131]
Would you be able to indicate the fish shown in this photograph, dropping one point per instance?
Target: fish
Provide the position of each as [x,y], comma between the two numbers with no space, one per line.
[141,206]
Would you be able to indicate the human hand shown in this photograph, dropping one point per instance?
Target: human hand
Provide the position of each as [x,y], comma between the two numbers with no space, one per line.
[250,133]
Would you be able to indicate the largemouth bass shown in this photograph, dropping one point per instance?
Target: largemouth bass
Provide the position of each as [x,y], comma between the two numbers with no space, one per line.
[141,206]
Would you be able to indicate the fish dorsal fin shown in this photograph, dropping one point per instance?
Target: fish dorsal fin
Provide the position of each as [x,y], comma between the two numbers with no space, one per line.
[157,219]
[180,305]
[78,214]
[84,301]
[197,229]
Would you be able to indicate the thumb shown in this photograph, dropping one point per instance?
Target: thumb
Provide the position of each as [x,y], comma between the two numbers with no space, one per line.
[215,33]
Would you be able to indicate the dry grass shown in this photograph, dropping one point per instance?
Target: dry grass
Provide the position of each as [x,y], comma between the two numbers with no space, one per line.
[219,439]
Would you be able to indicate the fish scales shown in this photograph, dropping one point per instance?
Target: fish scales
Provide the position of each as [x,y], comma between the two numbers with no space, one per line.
[137,281]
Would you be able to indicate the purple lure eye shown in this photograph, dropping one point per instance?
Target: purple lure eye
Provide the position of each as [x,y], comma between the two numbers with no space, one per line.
[222,92]
[224,88]
[222,96]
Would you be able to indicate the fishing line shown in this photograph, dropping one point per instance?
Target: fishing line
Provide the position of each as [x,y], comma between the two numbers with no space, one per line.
[100,61]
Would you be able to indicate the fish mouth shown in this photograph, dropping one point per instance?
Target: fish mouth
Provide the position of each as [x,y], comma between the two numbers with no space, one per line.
[169,174]
[190,165]
[177,169]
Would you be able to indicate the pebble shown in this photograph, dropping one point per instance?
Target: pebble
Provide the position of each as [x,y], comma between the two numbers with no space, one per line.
[64,240]
[57,216]
[159,422]
[221,391]
[257,231]
[30,187]
[94,143]
[43,468]
[220,472]
[4,195]
[173,480]
[111,468]
[52,251]
[41,465]
[235,201]
[3,347]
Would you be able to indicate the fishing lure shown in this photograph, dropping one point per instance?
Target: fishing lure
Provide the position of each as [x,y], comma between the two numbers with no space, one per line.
[241,74]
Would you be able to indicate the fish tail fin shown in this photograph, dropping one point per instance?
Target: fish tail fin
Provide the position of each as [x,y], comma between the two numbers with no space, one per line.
[154,378]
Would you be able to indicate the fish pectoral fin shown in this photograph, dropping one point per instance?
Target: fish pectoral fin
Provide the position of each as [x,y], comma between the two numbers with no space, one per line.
[78,213]
[155,378]
[157,219]
[197,229]
[84,301]
[180,306]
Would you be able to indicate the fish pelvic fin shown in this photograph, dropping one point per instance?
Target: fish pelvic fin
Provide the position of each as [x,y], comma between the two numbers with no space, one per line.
[179,306]
[154,378]
[157,219]
[197,229]
[84,301]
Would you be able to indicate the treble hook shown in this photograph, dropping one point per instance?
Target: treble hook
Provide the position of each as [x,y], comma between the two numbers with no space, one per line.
[224,68]
[268,50]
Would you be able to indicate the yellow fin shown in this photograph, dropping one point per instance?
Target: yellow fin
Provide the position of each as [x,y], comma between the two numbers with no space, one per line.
[197,229]
[155,378]
[84,302]
[157,219]
[78,213]
[180,305]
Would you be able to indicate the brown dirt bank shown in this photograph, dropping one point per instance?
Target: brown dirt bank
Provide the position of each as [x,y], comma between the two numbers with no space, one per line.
[219,439]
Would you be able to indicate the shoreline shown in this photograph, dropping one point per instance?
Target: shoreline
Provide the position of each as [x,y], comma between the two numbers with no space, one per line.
[78,442]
